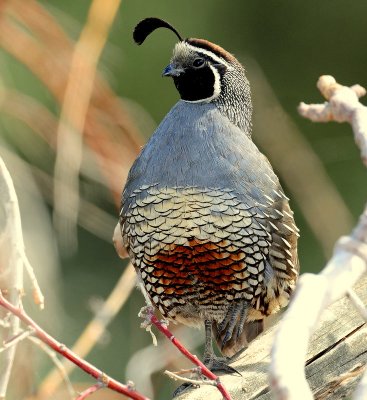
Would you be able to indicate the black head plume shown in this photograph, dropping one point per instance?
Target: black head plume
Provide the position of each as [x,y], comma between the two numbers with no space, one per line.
[146,26]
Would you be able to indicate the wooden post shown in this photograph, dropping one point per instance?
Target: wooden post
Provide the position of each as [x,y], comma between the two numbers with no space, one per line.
[336,358]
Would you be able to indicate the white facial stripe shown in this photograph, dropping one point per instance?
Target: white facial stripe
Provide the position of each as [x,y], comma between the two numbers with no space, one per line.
[217,84]
[210,54]
[216,88]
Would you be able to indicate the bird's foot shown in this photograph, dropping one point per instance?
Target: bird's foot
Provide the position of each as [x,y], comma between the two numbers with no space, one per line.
[182,388]
[219,364]
[212,362]
[193,381]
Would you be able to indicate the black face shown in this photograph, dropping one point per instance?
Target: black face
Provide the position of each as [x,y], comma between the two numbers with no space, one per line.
[196,82]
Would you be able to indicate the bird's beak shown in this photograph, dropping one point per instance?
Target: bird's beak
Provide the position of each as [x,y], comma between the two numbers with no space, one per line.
[171,70]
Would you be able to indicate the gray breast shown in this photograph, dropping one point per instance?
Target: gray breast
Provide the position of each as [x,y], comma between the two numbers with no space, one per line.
[195,145]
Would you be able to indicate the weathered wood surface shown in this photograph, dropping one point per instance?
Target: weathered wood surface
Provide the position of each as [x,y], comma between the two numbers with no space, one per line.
[335,362]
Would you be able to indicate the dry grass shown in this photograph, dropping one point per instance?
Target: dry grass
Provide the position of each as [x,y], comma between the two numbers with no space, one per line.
[91,114]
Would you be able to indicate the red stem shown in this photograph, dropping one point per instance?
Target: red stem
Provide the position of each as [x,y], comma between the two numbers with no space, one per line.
[205,371]
[70,355]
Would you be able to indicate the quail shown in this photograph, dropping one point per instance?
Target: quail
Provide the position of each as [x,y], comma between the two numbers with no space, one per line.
[203,216]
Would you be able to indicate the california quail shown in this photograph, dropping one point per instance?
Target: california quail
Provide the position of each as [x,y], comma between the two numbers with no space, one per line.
[203,216]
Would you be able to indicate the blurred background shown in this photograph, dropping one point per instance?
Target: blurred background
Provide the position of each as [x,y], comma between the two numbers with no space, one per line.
[68,134]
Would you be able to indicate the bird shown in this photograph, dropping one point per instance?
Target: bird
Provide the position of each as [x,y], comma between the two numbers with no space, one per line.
[203,216]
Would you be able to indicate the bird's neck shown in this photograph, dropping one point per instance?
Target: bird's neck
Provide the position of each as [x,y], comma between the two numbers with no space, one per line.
[235,103]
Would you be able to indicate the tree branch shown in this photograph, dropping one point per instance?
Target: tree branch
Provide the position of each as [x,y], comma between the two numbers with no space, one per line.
[315,292]
[58,364]
[148,313]
[93,331]
[90,391]
[11,268]
[337,347]
[70,355]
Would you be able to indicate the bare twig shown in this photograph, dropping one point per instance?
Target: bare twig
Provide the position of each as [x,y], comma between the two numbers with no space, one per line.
[196,382]
[38,297]
[147,356]
[83,395]
[315,292]
[73,116]
[13,237]
[59,365]
[94,329]
[343,106]
[60,348]
[16,339]
[162,327]
[11,268]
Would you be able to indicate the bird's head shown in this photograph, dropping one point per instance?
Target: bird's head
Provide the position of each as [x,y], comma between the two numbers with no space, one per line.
[198,67]
[204,72]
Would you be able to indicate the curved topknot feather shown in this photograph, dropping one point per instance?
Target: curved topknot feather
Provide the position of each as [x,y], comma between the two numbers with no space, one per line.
[146,26]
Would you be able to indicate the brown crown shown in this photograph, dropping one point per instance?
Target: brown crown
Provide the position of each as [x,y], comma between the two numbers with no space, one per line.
[214,48]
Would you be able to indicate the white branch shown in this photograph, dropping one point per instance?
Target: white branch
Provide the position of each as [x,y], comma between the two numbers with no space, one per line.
[315,292]
[11,268]
[38,297]
[343,106]
[12,262]
[358,304]
[16,339]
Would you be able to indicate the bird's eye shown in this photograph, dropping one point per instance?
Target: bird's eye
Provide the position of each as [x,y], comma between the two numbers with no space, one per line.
[198,63]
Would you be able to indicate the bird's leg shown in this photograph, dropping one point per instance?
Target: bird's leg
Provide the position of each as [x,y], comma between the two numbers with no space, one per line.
[211,360]
[208,350]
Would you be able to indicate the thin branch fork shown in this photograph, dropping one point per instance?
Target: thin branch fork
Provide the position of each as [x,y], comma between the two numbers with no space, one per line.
[11,269]
[93,331]
[178,377]
[342,106]
[349,262]
[162,327]
[67,353]
[16,339]
[58,364]
[90,390]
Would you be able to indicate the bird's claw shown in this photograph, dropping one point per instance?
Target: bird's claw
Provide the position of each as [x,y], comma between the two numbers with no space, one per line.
[220,364]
